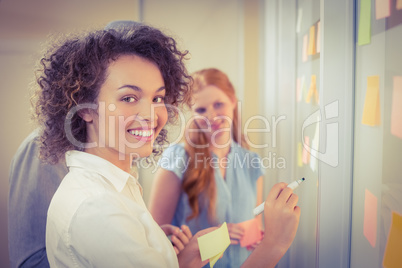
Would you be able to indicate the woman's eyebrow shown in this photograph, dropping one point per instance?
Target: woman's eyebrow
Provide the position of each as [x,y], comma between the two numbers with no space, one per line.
[136,88]
[131,87]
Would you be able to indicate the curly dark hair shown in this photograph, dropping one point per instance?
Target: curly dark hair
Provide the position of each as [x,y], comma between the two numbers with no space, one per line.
[73,71]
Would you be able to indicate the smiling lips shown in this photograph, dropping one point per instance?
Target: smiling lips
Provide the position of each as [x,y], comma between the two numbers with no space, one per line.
[143,134]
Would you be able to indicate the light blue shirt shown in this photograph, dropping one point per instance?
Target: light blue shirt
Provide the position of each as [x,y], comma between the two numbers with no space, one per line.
[236,194]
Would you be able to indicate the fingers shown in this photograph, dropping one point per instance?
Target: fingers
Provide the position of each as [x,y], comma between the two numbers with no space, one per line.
[235,231]
[275,191]
[186,231]
[177,242]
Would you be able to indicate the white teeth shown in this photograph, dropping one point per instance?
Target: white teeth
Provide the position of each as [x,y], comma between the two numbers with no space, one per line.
[142,133]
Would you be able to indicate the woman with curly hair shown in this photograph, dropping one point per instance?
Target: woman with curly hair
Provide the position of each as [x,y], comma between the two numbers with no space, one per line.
[104,99]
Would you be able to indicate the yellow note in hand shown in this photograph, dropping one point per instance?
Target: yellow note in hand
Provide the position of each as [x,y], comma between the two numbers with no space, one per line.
[212,245]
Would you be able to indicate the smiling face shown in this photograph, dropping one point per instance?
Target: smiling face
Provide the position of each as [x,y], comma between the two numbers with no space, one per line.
[131,111]
[213,111]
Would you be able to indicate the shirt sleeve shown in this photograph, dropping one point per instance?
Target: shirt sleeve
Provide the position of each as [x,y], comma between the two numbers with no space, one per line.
[105,235]
[174,159]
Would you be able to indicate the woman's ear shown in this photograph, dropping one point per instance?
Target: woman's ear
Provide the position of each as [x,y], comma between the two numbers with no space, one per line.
[86,115]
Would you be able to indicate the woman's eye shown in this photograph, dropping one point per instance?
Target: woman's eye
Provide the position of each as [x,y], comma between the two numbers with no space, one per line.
[128,99]
[218,104]
[159,99]
[200,110]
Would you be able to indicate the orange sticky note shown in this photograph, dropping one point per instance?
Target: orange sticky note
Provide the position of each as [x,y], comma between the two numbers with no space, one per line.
[398,4]
[306,154]
[311,43]
[298,89]
[318,37]
[304,52]
[299,155]
[396,112]
[370,217]
[371,111]
[312,90]
[393,248]
[382,9]
[252,232]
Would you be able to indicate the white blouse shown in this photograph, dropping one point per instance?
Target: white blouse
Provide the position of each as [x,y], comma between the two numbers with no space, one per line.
[97,218]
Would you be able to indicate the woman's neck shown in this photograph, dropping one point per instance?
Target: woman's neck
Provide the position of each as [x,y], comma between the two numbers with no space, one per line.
[121,161]
[221,152]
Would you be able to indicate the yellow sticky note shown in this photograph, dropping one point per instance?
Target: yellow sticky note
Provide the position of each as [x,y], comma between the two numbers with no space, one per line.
[299,155]
[398,4]
[370,217]
[318,37]
[311,43]
[396,112]
[304,52]
[382,9]
[212,245]
[393,248]
[312,90]
[371,111]
[364,35]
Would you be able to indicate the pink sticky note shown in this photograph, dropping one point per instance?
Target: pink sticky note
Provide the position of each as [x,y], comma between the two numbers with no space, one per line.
[304,52]
[306,154]
[382,9]
[298,90]
[252,232]
[396,112]
[398,4]
[370,217]
[318,37]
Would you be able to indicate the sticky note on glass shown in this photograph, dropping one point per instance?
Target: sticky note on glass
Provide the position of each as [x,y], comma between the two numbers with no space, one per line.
[392,254]
[382,9]
[252,232]
[299,154]
[398,4]
[371,111]
[312,92]
[370,217]
[311,42]
[213,244]
[364,35]
[396,112]
[306,154]
[304,52]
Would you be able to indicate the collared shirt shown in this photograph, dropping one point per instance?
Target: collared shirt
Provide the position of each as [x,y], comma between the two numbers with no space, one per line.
[97,218]
[32,185]
[236,193]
